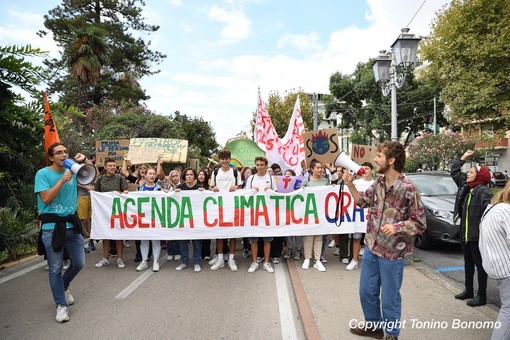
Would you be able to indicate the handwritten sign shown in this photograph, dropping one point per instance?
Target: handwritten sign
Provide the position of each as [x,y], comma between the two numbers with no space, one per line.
[115,149]
[288,183]
[147,150]
[322,145]
[363,153]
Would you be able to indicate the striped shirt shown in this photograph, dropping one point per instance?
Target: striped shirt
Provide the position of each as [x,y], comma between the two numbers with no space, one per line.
[495,240]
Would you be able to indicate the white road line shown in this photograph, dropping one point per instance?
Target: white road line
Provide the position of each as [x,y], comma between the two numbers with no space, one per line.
[286,316]
[136,283]
[21,272]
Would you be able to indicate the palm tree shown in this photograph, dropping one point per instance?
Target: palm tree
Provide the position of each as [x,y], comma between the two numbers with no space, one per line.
[87,53]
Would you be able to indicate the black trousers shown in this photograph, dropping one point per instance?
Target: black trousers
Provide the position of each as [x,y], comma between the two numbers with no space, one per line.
[472,258]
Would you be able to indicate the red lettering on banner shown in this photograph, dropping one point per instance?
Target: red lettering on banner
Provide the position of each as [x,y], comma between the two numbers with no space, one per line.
[286,181]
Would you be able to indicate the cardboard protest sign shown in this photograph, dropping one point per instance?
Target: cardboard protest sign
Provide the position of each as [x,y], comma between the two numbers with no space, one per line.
[244,151]
[147,150]
[115,148]
[288,183]
[322,145]
[363,153]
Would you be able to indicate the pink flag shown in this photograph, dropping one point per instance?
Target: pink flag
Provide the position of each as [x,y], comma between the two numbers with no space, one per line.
[265,135]
[293,144]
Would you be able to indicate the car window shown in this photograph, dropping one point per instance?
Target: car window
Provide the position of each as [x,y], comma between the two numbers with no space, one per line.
[429,185]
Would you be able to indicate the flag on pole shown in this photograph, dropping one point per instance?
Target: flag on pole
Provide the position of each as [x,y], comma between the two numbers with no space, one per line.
[265,135]
[50,129]
[293,143]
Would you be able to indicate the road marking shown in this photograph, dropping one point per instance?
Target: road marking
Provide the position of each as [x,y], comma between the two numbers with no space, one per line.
[285,308]
[449,269]
[136,283]
[21,272]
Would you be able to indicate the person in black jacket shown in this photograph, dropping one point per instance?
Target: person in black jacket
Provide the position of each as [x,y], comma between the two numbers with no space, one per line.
[472,199]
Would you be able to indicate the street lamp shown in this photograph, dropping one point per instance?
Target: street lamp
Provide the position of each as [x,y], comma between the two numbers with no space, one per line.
[390,72]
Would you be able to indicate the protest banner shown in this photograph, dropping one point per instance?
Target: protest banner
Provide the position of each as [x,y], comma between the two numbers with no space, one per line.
[288,183]
[363,153]
[194,163]
[147,150]
[184,215]
[115,148]
[322,145]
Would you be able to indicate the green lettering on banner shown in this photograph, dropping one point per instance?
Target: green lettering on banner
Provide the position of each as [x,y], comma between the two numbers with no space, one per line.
[141,215]
[187,212]
[172,202]
[116,214]
[311,208]
[157,211]
[246,203]
[277,200]
[261,211]
[291,217]
[126,209]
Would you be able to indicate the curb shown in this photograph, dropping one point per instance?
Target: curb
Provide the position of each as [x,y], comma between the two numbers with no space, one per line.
[17,262]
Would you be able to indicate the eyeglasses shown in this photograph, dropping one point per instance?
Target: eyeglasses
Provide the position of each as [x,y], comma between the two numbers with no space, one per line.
[62,152]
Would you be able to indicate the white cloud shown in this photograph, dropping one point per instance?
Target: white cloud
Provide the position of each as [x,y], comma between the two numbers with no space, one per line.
[176,3]
[303,42]
[237,25]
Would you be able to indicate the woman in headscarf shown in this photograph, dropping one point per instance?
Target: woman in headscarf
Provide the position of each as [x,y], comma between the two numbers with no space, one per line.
[472,198]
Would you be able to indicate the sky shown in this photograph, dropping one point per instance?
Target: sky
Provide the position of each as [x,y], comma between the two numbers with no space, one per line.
[220,52]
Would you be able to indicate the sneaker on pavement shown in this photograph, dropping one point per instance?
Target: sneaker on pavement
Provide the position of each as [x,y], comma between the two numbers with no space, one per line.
[197,268]
[276,260]
[66,264]
[331,244]
[181,267]
[287,254]
[319,266]
[120,263]
[297,256]
[213,260]
[323,259]
[207,258]
[246,253]
[267,267]
[370,332]
[142,266]
[361,251]
[306,264]
[232,265]
[254,266]
[103,263]
[62,314]
[69,298]
[345,260]
[352,265]
[91,245]
[218,264]
[259,259]
[337,252]
[177,257]
[155,266]
[170,257]
[126,244]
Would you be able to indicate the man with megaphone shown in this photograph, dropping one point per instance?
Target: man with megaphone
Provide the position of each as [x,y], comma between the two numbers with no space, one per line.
[56,190]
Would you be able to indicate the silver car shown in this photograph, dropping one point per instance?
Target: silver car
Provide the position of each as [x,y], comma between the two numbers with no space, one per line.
[437,190]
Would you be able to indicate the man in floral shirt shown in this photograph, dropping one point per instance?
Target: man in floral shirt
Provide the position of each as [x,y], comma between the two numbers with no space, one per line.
[396,217]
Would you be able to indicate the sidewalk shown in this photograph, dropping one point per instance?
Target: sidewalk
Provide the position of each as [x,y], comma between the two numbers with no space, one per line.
[429,308]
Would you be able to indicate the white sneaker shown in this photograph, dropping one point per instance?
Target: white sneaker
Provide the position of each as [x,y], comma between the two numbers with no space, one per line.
[267,267]
[120,263]
[297,256]
[177,257]
[323,259]
[66,264]
[62,314]
[319,266]
[345,260]
[170,257]
[259,259]
[337,252]
[102,263]
[218,264]
[287,254]
[126,244]
[353,265]
[232,265]
[69,298]
[331,244]
[254,266]
[181,267]
[197,268]
[361,251]
[306,264]
[142,266]
[213,260]
[155,266]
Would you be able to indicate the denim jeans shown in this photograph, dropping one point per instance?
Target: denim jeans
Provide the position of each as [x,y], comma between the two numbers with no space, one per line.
[172,247]
[380,283]
[197,251]
[59,282]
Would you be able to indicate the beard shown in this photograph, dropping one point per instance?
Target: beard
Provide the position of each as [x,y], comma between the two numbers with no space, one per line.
[381,169]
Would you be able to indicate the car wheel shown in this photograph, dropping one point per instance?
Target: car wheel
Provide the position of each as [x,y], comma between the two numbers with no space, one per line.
[422,241]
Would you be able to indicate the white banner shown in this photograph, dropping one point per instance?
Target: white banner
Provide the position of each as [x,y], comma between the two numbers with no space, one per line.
[183,215]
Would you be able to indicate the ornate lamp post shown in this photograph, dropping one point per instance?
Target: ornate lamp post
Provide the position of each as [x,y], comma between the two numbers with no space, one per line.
[390,72]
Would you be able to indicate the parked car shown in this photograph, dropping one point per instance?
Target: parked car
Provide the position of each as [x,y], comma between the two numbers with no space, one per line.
[437,190]
[498,179]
